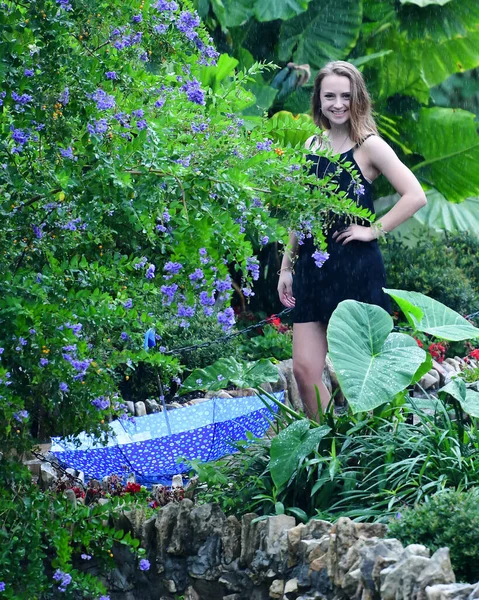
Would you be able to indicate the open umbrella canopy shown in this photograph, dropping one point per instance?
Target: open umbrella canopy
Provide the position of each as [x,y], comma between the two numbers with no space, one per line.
[155,447]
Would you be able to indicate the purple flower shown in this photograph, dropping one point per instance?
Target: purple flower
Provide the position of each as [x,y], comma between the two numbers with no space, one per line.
[226,318]
[166,215]
[247,292]
[21,415]
[44,362]
[144,564]
[137,18]
[64,97]
[23,99]
[85,557]
[253,267]
[264,240]
[223,285]
[160,28]
[159,103]
[320,257]
[63,387]
[128,303]
[194,93]
[184,161]
[164,5]
[2,586]
[173,268]
[104,598]
[22,341]
[29,72]
[169,291]
[186,22]
[196,275]
[359,189]
[142,124]
[19,136]
[185,311]
[124,336]
[206,300]
[257,203]
[67,153]
[141,264]
[32,331]
[103,100]
[2,350]
[66,6]
[202,252]
[111,75]
[63,578]
[266,145]
[101,403]
[138,113]
[150,272]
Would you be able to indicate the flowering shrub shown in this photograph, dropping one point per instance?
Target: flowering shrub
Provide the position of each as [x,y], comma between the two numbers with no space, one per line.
[130,188]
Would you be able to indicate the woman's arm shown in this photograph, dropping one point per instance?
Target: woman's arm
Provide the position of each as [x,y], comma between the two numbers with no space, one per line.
[412,197]
[285,283]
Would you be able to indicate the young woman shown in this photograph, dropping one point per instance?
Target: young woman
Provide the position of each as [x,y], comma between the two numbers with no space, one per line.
[354,270]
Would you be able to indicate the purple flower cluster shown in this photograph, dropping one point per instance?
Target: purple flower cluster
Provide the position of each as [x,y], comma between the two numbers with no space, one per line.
[21,100]
[141,264]
[266,145]
[223,285]
[76,328]
[81,366]
[20,137]
[128,303]
[164,5]
[199,128]
[196,275]
[142,124]
[226,318]
[63,387]
[64,579]
[252,266]
[124,336]
[320,257]
[137,18]
[72,224]
[111,75]
[264,240]
[21,415]
[193,91]
[186,311]
[97,127]
[103,100]
[160,29]
[184,161]
[359,189]
[150,272]
[101,403]
[2,586]
[44,362]
[68,153]
[65,4]
[160,102]
[2,97]
[127,40]
[37,231]
[64,97]
[173,268]
[29,72]
[169,291]
[85,556]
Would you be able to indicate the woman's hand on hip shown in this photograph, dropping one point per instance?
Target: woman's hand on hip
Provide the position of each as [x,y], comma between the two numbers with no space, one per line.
[285,289]
[354,233]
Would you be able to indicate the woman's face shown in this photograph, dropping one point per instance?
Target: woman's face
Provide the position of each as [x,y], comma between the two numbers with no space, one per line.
[335,96]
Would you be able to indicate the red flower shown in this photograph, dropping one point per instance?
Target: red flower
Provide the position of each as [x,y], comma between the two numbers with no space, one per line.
[274,320]
[475,354]
[438,352]
[132,488]
[419,343]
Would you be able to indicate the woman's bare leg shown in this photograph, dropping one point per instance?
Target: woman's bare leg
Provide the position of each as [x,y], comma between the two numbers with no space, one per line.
[309,357]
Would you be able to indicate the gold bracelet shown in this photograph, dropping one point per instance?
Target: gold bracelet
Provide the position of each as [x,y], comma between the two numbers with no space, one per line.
[286,269]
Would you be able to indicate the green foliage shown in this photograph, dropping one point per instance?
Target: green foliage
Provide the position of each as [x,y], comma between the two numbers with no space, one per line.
[42,532]
[451,519]
[227,371]
[443,269]
[130,191]
[272,343]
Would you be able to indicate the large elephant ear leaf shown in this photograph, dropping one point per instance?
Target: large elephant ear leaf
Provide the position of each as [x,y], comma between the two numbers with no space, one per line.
[448,140]
[270,10]
[372,364]
[437,319]
[467,398]
[322,33]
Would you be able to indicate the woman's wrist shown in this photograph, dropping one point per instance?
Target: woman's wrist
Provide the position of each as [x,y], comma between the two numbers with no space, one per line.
[287,268]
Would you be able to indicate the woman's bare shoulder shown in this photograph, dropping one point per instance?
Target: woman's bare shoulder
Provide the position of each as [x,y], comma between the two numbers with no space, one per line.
[311,142]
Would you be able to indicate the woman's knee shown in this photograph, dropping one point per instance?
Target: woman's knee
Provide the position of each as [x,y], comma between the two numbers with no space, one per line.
[306,370]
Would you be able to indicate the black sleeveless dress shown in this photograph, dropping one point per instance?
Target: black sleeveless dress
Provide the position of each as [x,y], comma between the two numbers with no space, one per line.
[354,271]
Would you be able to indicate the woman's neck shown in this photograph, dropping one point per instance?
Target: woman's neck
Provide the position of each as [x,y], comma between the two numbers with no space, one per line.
[338,137]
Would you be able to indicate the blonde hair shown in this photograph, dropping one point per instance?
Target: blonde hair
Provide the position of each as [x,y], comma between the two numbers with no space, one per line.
[361,120]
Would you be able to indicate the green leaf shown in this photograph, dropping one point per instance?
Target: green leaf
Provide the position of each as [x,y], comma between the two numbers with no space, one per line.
[448,140]
[437,320]
[438,214]
[290,130]
[264,97]
[237,12]
[372,364]
[229,370]
[291,447]
[468,399]
[456,55]
[299,513]
[269,10]
[423,3]
[324,32]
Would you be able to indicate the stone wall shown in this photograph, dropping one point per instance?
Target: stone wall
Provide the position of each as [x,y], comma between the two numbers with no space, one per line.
[199,553]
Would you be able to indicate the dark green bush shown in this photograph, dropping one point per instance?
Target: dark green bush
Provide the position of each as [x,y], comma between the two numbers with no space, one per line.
[443,268]
[449,519]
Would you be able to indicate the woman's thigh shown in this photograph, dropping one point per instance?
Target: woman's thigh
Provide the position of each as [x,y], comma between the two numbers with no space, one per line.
[310,345]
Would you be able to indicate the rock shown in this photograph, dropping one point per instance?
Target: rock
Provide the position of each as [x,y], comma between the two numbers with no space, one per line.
[441,371]
[205,520]
[191,594]
[165,524]
[275,540]
[310,550]
[475,593]
[428,381]
[439,570]
[198,401]
[71,498]
[292,392]
[218,394]
[206,562]
[130,407]
[173,406]
[373,559]
[242,392]
[452,591]
[152,406]
[231,540]
[456,365]
[232,597]
[400,579]
[181,536]
[279,385]
[140,409]
[266,387]
[250,537]
[276,589]
[48,475]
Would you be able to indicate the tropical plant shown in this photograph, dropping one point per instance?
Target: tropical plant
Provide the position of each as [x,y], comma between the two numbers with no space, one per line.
[406,49]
